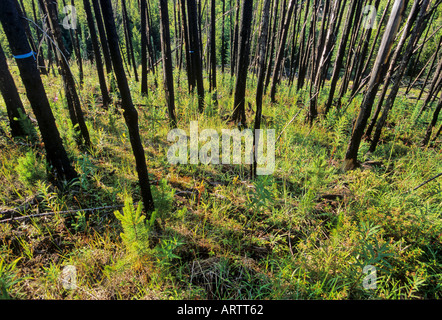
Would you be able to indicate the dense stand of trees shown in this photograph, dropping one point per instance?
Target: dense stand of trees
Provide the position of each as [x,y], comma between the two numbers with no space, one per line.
[333,50]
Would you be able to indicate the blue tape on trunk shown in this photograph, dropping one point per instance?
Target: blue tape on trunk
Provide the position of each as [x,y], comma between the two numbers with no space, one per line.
[27,55]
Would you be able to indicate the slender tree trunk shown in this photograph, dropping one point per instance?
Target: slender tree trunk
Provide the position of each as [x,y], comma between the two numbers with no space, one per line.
[312,45]
[143,47]
[431,68]
[368,60]
[50,45]
[18,120]
[213,50]
[40,58]
[102,34]
[76,46]
[223,39]
[417,31]
[55,153]
[350,161]
[281,49]
[72,97]
[78,51]
[294,42]
[302,57]
[413,68]
[324,23]
[391,69]
[363,54]
[195,53]
[130,113]
[437,133]
[129,43]
[433,123]
[352,54]
[272,40]
[167,62]
[150,42]
[322,59]
[177,34]
[190,74]
[262,47]
[97,53]
[340,55]
[429,62]
[437,79]
[239,115]
[234,53]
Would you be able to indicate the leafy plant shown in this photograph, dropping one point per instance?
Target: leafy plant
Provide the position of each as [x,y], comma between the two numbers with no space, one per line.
[136,230]
[318,173]
[30,169]
[165,251]
[87,169]
[163,197]
[371,251]
[26,124]
[262,195]
[8,278]
[80,223]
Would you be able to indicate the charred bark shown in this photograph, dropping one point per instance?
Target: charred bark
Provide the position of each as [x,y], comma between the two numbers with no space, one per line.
[56,155]
[167,62]
[130,113]
[239,115]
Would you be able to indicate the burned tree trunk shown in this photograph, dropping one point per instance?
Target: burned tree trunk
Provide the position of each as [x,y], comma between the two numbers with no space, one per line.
[167,62]
[212,50]
[55,153]
[239,113]
[102,35]
[97,53]
[234,42]
[129,43]
[417,30]
[273,33]
[389,75]
[40,58]
[350,161]
[281,49]
[375,40]
[72,97]
[18,120]
[363,51]
[433,89]
[190,75]
[262,48]
[223,39]
[303,54]
[352,54]
[143,8]
[340,55]
[322,60]
[433,123]
[429,69]
[76,46]
[195,53]
[130,113]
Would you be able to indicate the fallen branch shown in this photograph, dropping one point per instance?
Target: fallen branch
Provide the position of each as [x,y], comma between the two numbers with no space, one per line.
[67,212]
[10,213]
[424,183]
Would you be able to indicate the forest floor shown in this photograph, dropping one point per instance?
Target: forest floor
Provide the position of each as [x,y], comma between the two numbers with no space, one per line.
[308,231]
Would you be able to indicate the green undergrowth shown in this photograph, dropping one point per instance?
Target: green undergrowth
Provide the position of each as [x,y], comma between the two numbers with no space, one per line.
[308,231]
